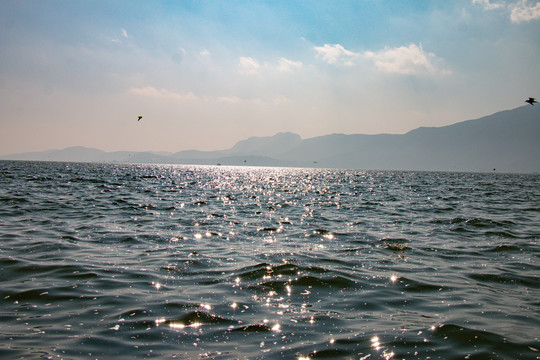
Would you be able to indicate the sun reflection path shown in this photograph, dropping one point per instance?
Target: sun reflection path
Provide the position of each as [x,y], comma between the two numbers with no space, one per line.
[376,344]
[183,326]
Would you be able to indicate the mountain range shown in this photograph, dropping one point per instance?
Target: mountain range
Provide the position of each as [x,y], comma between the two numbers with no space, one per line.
[507,141]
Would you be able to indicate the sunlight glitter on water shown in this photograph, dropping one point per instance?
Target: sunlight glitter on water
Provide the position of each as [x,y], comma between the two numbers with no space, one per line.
[375,343]
[351,256]
[181,326]
[206,306]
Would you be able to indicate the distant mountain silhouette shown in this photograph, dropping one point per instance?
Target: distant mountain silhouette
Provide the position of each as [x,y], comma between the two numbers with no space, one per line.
[263,150]
[267,146]
[508,141]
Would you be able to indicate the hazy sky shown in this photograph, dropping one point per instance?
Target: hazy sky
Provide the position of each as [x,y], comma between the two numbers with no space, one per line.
[206,74]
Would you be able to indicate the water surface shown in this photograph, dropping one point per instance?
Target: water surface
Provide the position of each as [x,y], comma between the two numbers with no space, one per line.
[153,261]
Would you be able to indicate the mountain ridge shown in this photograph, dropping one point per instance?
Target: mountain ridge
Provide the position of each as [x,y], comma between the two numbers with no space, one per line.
[507,141]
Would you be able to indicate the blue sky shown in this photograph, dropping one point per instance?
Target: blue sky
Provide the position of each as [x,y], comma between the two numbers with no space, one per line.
[206,74]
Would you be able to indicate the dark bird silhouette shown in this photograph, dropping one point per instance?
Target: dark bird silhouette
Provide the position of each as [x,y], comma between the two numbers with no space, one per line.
[139,119]
[531,101]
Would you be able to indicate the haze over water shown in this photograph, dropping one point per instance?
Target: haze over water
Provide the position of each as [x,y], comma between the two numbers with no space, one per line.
[152,261]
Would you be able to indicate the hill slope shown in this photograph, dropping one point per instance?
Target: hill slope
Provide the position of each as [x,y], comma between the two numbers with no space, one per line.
[508,141]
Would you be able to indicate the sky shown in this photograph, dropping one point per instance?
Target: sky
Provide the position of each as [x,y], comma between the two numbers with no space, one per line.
[207,74]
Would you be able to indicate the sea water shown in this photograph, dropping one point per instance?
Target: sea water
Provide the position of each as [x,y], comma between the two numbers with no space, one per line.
[108,261]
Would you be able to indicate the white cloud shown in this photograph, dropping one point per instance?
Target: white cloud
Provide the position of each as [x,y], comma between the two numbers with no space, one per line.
[488,5]
[286,65]
[248,66]
[407,60]
[205,53]
[336,54]
[518,11]
[524,12]
[411,59]
[125,34]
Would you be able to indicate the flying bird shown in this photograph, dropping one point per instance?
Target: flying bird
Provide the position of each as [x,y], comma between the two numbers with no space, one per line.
[139,119]
[531,101]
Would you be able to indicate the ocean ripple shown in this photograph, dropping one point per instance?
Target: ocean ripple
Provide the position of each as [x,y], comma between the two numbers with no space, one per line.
[155,261]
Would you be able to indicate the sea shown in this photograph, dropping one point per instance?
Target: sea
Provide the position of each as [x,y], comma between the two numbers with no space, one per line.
[113,261]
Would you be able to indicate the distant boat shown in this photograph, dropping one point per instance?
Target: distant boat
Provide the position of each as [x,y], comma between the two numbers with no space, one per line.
[531,100]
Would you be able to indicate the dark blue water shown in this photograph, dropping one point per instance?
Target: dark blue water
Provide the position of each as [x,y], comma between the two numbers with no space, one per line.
[128,261]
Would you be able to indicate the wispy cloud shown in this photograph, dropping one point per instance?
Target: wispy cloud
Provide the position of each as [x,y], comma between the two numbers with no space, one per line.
[152,92]
[124,35]
[518,11]
[408,60]
[250,66]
